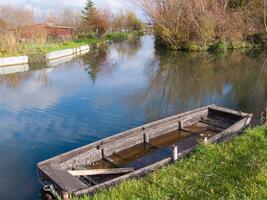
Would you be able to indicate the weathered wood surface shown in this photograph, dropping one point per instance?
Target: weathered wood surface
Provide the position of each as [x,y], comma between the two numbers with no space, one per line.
[192,119]
[200,127]
[88,180]
[138,137]
[110,161]
[163,129]
[62,179]
[121,144]
[217,123]
[93,172]
[228,111]
[231,131]
[85,158]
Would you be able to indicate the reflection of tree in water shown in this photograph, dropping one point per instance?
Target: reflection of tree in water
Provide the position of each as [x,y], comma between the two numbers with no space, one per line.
[16,80]
[43,79]
[128,48]
[100,61]
[180,81]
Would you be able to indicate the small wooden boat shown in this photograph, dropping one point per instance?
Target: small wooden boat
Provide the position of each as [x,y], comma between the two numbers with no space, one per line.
[139,151]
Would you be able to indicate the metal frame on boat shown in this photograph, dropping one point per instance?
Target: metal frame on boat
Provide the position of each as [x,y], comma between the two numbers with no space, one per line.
[78,172]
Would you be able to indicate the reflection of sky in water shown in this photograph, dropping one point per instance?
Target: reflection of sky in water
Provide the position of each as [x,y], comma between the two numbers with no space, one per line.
[50,111]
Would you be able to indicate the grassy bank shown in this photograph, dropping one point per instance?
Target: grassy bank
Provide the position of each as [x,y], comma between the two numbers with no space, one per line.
[119,36]
[32,48]
[234,170]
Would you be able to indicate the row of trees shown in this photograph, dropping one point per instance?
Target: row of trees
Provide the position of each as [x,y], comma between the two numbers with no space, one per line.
[181,23]
[101,21]
[91,19]
[90,22]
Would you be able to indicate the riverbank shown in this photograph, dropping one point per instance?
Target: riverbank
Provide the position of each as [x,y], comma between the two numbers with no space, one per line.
[259,42]
[233,170]
[31,48]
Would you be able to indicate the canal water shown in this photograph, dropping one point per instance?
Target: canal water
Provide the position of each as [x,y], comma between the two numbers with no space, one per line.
[49,110]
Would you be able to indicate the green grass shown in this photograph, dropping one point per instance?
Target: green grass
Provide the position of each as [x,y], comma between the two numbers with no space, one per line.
[232,170]
[116,36]
[31,48]
[119,36]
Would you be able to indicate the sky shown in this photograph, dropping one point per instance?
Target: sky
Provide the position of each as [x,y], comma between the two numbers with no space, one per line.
[44,7]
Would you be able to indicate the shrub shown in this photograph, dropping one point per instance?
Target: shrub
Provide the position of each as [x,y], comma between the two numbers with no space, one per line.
[179,22]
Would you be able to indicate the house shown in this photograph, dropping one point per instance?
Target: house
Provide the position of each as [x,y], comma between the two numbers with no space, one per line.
[52,31]
[49,30]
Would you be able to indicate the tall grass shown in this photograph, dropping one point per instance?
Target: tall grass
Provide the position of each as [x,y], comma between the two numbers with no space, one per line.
[8,43]
[233,170]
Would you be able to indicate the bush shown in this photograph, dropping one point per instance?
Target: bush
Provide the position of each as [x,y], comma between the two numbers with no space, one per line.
[178,23]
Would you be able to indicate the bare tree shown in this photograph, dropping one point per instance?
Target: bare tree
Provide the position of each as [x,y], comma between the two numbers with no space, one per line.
[16,18]
[70,17]
[100,20]
[52,17]
[66,17]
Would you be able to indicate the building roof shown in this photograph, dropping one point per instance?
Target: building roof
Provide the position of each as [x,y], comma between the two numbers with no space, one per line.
[52,25]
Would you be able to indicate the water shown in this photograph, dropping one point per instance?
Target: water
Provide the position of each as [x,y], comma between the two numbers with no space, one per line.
[50,110]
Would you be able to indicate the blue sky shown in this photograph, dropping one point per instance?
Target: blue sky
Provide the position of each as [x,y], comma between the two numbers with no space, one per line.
[43,7]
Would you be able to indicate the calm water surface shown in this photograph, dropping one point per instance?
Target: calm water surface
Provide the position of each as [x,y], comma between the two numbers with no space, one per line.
[51,110]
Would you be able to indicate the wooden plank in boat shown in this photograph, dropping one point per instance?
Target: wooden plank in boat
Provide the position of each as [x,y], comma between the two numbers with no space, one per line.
[200,127]
[223,124]
[231,131]
[227,111]
[110,161]
[93,172]
[88,181]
